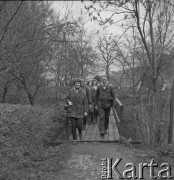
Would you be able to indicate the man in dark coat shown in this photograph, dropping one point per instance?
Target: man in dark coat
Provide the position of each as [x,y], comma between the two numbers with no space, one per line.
[105,99]
[77,108]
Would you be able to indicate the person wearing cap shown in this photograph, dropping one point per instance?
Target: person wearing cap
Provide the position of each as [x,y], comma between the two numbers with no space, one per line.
[89,100]
[105,99]
[77,108]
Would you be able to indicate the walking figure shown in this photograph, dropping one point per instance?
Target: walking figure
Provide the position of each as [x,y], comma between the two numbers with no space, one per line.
[93,113]
[91,107]
[77,108]
[93,95]
[89,101]
[105,99]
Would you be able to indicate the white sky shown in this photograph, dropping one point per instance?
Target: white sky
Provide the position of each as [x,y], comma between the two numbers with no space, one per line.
[92,26]
[76,7]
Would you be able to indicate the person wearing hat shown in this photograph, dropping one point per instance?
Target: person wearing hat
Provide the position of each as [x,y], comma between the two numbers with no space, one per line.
[77,108]
[105,99]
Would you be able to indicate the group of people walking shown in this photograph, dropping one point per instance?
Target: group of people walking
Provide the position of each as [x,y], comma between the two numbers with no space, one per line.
[87,102]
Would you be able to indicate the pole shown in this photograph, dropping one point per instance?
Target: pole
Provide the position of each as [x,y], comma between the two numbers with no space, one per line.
[170,133]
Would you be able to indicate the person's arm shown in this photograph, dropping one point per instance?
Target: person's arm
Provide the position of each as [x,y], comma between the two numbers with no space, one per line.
[67,98]
[96,97]
[113,96]
[85,105]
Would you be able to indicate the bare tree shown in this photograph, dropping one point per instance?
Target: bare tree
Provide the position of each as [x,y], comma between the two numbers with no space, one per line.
[31,47]
[73,54]
[107,49]
[152,19]
[8,13]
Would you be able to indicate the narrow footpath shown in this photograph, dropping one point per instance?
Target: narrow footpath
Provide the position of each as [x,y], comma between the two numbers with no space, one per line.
[85,160]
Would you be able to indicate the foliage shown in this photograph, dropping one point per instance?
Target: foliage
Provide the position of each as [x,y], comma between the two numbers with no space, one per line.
[166,150]
[107,50]
[22,130]
[161,154]
[125,142]
[38,49]
[146,39]
[152,118]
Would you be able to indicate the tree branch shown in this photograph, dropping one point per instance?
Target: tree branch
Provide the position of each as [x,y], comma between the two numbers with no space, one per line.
[8,23]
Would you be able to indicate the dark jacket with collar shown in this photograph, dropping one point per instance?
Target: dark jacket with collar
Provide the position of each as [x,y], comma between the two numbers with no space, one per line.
[88,94]
[79,101]
[105,96]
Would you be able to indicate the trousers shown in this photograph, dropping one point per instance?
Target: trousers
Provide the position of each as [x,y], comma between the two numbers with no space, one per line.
[76,123]
[85,120]
[103,118]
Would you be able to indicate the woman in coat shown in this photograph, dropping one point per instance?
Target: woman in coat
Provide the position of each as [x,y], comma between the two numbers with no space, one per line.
[93,113]
[77,108]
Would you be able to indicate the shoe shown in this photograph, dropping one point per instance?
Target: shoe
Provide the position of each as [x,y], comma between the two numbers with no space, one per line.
[74,142]
[102,134]
[80,137]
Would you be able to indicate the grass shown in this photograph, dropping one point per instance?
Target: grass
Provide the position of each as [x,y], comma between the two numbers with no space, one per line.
[22,154]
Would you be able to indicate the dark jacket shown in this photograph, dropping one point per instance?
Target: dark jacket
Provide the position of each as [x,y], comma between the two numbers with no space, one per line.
[93,94]
[88,94]
[79,101]
[105,97]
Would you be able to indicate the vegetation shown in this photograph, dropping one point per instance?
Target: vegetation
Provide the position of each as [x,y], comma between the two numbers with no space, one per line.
[42,51]
[142,53]
[23,130]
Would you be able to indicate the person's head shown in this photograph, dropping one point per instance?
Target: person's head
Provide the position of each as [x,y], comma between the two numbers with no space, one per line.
[77,83]
[83,83]
[94,82]
[89,83]
[104,80]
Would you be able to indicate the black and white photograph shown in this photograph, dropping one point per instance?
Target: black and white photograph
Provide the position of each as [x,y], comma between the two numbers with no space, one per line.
[86,90]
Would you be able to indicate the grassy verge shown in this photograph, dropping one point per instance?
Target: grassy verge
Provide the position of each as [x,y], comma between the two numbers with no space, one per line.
[162,154]
[22,131]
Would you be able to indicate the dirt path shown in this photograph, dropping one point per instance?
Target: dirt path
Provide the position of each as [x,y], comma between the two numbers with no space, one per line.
[85,160]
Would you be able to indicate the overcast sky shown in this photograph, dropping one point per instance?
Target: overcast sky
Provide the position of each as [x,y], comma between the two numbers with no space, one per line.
[76,7]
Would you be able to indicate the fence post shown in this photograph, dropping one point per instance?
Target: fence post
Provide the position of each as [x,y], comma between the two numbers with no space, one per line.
[170,132]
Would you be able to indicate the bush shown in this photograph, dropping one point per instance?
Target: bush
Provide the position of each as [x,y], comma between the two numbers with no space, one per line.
[166,151]
[22,130]
[152,119]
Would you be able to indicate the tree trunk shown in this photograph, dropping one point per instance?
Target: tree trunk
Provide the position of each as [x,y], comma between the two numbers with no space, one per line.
[107,72]
[133,85]
[153,60]
[31,99]
[30,96]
